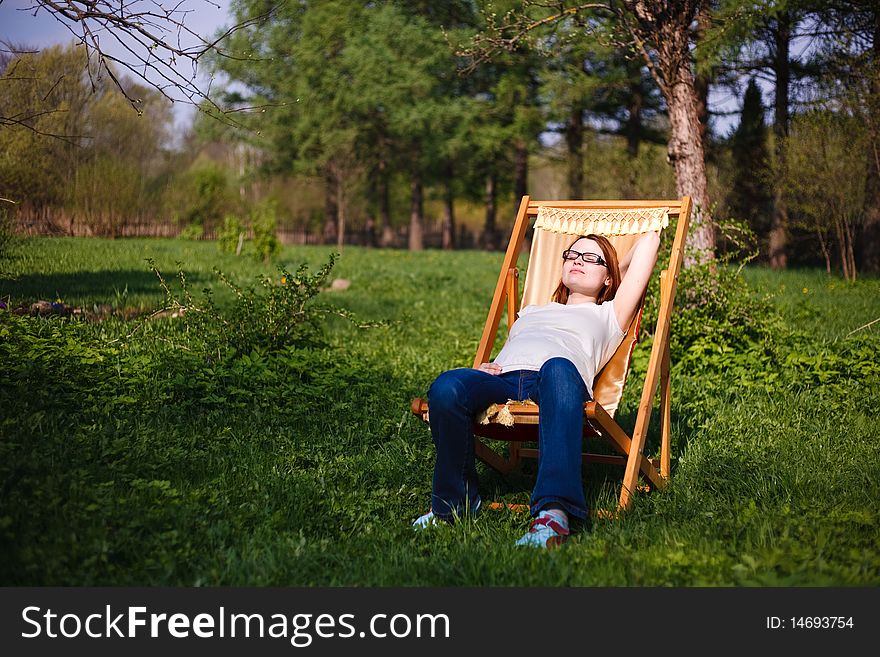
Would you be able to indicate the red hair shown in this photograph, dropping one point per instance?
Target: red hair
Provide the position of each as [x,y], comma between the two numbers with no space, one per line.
[610,256]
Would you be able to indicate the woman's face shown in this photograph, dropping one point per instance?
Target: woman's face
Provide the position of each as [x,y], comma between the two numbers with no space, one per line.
[585,278]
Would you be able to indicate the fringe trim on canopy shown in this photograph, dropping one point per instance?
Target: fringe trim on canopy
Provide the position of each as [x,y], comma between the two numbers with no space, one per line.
[602,221]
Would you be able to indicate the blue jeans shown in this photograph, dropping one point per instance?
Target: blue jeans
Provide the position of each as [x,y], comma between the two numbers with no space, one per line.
[457,396]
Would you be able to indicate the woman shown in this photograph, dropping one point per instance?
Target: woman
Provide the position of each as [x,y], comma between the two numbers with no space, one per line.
[551,356]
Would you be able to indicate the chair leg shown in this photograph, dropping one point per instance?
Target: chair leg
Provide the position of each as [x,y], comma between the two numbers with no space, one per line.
[513,455]
[665,415]
[630,484]
[491,458]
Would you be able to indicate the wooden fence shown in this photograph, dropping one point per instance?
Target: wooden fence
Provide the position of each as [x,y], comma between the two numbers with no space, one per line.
[59,224]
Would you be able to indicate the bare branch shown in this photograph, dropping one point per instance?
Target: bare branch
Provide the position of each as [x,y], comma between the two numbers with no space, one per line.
[517,28]
[26,122]
[154,39]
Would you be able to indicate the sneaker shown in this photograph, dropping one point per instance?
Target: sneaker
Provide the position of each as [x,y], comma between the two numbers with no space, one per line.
[545,532]
[426,520]
[430,520]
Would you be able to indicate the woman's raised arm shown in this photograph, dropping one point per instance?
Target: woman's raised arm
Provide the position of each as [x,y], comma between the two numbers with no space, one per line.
[635,270]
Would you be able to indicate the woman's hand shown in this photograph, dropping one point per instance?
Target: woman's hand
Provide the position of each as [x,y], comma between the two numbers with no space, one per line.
[490,368]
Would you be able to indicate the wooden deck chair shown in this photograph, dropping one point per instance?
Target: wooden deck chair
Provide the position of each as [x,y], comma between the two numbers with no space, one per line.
[556,225]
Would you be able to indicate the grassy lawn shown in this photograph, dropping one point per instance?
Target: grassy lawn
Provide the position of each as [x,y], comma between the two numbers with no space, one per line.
[127,458]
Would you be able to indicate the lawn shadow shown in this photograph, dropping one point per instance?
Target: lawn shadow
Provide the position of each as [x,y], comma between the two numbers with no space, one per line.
[89,287]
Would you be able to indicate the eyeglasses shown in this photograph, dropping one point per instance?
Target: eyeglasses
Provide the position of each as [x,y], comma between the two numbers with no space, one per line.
[588,258]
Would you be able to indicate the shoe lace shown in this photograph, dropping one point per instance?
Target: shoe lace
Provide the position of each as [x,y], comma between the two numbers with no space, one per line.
[548,522]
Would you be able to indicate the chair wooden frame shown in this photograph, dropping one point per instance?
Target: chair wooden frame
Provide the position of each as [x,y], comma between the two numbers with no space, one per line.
[597,420]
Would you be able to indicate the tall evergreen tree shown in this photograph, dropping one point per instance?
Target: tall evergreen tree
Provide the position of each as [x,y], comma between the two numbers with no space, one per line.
[751,197]
[355,93]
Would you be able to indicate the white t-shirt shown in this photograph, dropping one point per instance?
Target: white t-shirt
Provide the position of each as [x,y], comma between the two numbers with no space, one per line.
[587,334]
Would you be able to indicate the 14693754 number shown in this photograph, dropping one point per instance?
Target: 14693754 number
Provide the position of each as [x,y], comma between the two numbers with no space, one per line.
[821,622]
[810,623]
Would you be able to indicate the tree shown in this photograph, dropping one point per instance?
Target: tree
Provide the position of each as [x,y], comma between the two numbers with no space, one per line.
[869,242]
[99,166]
[851,60]
[121,156]
[569,86]
[661,30]
[658,32]
[289,59]
[592,86]
[44,96]
[750,197]
[505,123]
[825,181]
[755,40]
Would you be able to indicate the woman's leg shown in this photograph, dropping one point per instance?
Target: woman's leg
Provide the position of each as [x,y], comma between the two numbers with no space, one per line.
[454,399]
[561,395]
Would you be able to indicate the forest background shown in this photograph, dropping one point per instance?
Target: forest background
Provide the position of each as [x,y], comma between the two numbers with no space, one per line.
[419,124]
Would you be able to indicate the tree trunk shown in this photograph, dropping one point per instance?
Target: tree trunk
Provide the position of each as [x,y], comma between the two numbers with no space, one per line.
[574,139]
[520,171]
[448,210]
[850,249]
[782,68]
[825,252]
[331,210]
[490,232]
[845,248]
[634,119]
[685,151]
[869,239]
[416,213]
[665,26]
[703,80]
[633,127]
[340,206]
[387,238]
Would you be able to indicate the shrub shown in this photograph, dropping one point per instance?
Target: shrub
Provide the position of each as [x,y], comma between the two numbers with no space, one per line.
[264,222]
[202,195]
[192,232]
[273,316]
[718,323]
[230,237]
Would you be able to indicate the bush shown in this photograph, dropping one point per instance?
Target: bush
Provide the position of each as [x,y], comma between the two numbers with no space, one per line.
[264,221]
[274,316]
[192,232]
[718,324]
[202,195]
[230,237]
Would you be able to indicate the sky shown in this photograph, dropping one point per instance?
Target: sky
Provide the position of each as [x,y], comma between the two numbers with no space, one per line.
[23,22]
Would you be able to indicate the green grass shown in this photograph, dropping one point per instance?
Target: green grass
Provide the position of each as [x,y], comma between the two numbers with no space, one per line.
[825,306]
[129,461]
